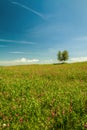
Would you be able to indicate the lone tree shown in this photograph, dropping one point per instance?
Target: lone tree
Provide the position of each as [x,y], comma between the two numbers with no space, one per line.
[63,56]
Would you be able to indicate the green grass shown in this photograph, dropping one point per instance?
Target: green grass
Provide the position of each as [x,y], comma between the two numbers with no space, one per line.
[43,97]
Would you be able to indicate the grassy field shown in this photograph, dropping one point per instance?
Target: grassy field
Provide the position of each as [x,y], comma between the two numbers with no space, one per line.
[43,97]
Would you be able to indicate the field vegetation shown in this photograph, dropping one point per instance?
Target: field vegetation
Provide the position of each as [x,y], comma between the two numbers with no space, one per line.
[43,97]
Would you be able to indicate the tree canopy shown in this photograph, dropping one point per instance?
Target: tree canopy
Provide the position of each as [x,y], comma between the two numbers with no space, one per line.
[63,56]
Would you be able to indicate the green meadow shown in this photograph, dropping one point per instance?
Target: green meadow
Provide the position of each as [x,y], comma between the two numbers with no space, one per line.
[43,97]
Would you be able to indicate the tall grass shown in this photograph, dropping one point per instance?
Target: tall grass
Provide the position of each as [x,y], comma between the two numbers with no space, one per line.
[43,97]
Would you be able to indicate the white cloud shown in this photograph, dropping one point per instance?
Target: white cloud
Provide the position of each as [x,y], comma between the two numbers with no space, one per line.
[29,9]
[25,60]
[78,59]
[19,61]
[14,41]
[47,61]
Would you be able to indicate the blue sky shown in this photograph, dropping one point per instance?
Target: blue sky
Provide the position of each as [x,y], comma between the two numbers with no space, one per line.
[33,31]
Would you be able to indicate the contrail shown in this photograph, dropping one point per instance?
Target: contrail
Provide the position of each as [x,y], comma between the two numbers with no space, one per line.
[14,41]
[29,9]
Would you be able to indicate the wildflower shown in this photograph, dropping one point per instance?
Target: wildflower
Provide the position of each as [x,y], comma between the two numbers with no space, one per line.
[4,125]
[21,120]
[8,125]
[85,125]
[53,114]
[48,118]
[63,112]
[16,115]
